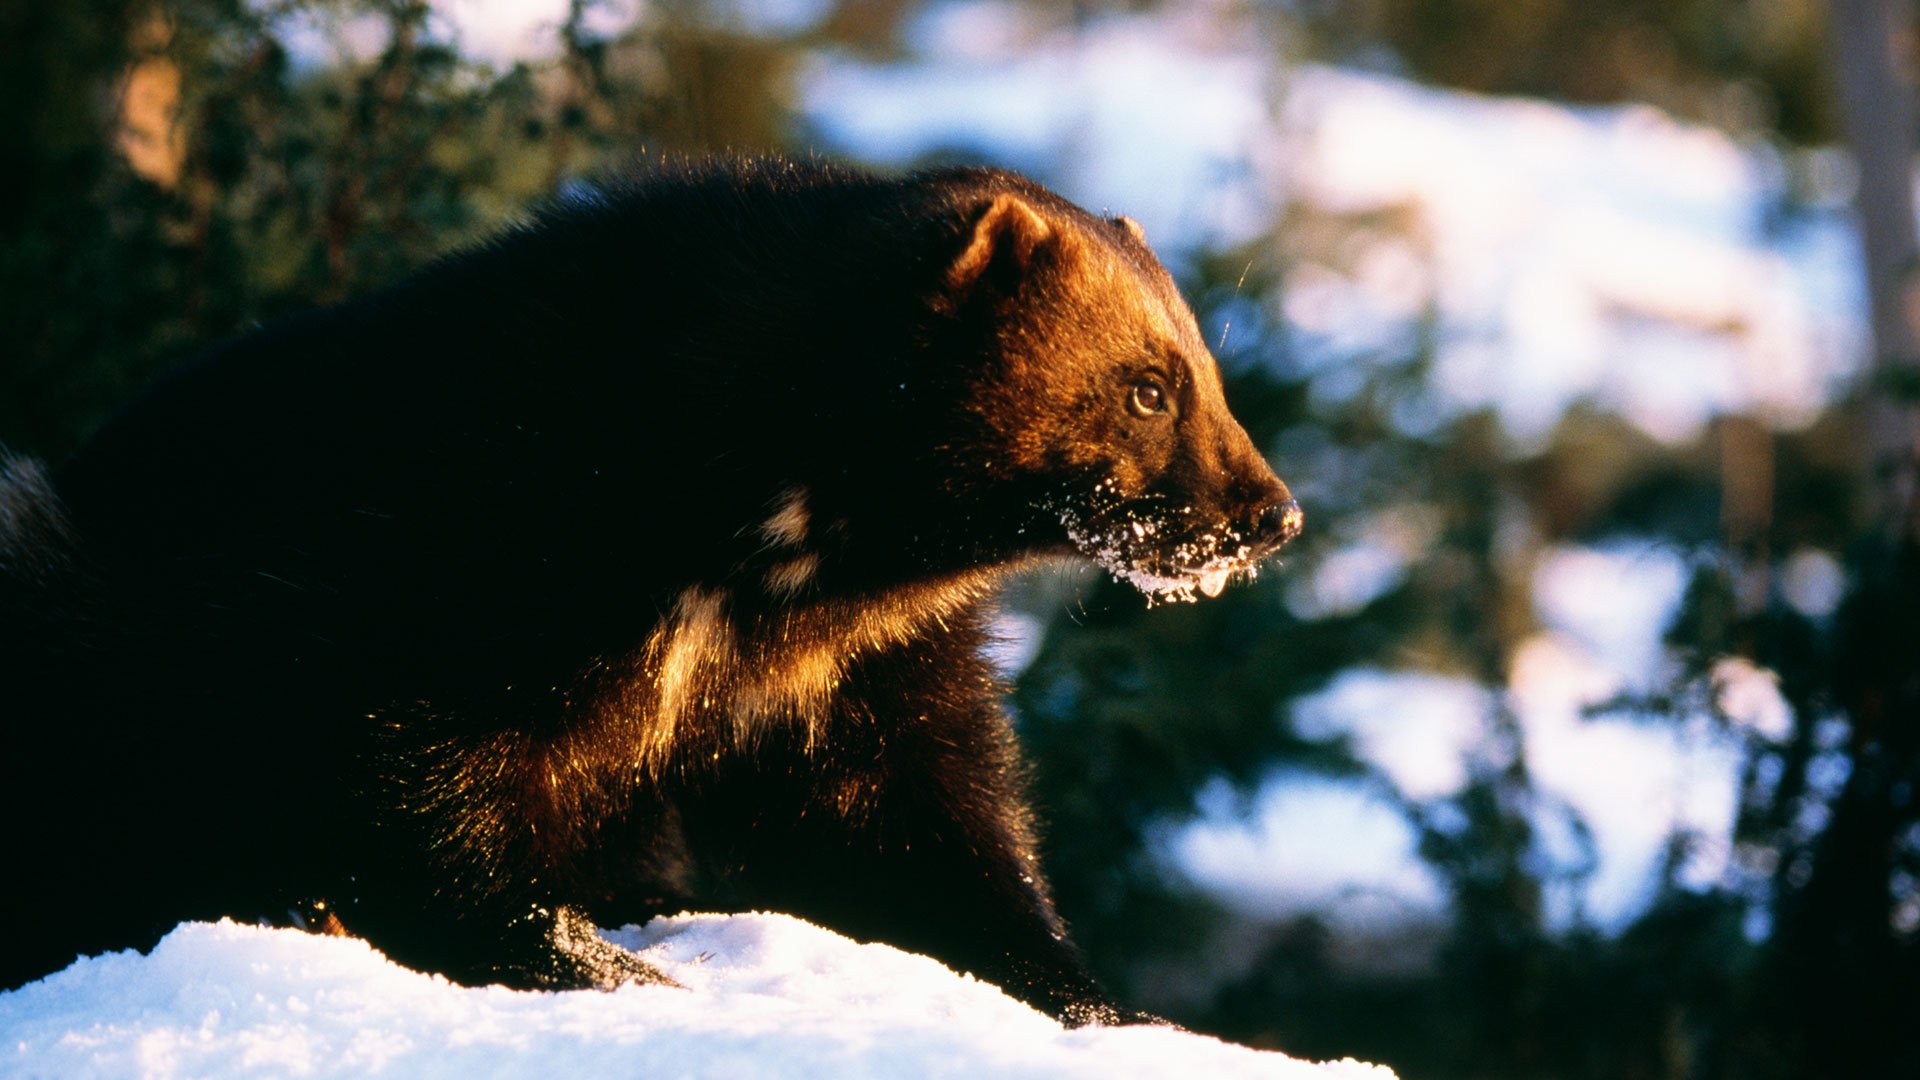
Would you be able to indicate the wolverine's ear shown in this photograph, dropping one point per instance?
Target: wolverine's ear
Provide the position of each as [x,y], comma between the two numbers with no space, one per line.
[1007,232]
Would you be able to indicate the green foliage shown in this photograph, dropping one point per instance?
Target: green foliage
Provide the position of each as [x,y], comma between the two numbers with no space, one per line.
[1755,65]
[291,182]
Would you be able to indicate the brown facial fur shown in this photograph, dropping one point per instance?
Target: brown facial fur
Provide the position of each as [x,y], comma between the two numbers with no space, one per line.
[1084,313]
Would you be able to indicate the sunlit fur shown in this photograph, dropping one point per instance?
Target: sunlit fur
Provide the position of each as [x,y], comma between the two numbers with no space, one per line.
[636,560]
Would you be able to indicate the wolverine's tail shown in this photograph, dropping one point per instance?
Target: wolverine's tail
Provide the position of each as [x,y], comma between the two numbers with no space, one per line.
[43,771]
[38,556]
[46,600]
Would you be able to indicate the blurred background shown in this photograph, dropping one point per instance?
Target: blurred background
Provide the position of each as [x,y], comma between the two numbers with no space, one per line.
[1578,735]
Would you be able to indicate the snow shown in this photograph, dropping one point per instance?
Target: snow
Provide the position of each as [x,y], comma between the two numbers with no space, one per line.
[1162,119]
[1614,601]
[1750,697]
[764,997]
[1813,582]
[1305,844]
[1611,254]
[1384,545]
[1417,728]
[1633,783]
[1309,844]
[1203,562]
[494,33]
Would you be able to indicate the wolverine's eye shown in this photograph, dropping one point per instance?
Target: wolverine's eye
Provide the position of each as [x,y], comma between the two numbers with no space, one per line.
[1148,398]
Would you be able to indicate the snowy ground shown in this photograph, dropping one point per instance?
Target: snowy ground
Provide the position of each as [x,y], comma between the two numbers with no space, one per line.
[767,996]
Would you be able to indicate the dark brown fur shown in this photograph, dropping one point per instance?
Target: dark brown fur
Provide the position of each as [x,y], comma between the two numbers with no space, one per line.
[637,560]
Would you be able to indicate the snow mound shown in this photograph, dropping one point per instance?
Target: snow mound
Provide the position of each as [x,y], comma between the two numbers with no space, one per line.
[766,996]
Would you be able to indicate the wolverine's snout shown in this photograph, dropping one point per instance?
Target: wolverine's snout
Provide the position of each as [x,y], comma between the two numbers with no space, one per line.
[1279,523]
[1269,516]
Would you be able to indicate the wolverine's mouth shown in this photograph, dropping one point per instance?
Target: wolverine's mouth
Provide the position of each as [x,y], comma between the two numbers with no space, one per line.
[1175,554]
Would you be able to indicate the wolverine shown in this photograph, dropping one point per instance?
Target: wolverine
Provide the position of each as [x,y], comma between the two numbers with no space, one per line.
[637,560]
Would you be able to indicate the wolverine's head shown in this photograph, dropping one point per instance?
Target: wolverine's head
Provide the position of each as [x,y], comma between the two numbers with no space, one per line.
[1099,403]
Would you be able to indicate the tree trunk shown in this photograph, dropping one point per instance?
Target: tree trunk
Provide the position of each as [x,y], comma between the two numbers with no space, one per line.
[1847,966]
[1870,42]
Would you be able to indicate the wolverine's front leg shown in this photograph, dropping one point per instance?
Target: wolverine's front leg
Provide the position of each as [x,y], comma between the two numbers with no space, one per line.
[528,946]
[465,864]
[907,822]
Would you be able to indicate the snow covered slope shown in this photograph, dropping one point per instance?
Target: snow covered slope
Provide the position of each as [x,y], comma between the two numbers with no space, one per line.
[767,996]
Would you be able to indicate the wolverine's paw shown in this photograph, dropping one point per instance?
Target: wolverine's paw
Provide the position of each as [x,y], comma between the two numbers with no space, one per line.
[1107,1014]
[576,957]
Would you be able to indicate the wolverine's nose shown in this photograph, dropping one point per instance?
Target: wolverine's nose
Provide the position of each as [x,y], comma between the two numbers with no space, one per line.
[1279,523]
